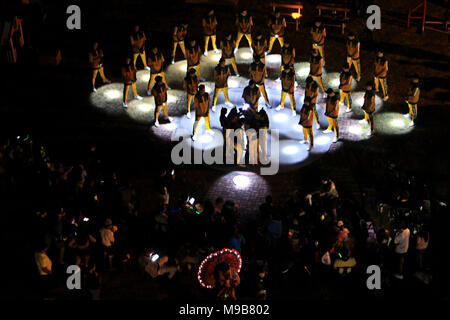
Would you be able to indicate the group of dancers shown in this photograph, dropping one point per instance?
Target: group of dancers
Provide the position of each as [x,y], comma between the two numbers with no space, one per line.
[260,47]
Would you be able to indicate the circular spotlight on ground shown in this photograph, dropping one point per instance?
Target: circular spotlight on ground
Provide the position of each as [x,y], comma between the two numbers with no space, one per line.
[170,126]
[355,129]
[241,182]
[205,138]
[281,117]
[144,107]
[112,94]
[143,76]
[332,80]
[244,55]
[322,140]
[290,150]
[182,67]
[273,60]
[392,123]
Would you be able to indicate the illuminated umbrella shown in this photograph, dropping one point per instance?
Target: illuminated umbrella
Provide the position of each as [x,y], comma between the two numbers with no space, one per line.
[206,270]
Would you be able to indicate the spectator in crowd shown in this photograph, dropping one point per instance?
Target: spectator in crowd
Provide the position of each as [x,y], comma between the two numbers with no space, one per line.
[401,242]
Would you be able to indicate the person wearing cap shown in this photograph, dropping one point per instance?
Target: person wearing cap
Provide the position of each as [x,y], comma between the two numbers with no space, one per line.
[159,92]
[287,55]
[258,75]
[277,26]
[316,64]
[332,112]
[191,84]
[193,57]
[202,101]
[178,36]
[155,61]
[353,47]
[96,62]
[137,40]
[129,80]
[244,24]
[288,79]
[318,34]
[209,24]
[369,105]
[259,47]
[345,87]
[227,46]
[381,69]
[221,74]
[412,99]
[108,240]
[251,95]
[306,121]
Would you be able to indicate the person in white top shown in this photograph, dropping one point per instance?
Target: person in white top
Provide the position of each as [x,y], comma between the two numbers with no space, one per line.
[43,262]
[401,242]
[107,236]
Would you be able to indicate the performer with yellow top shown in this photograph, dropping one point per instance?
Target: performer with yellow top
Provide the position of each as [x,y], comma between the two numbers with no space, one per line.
[306,121]
[287,55]
[353,48]
[244,24]
[96,62]
[318,34]
[193,57]
[137,40]
[312,91]
[191,83]
[129,80]
[221,74]
[381,69]
[345,87]
[227,46]
[159,92]
[332,112]
[288,79]
[156,62]
[369,105]
[277,26]
[178,36]
[209,24]
[258,75]
[316,64]
[412,99]
[201,102]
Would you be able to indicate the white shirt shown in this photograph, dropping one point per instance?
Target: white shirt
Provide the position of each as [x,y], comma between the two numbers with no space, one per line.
[402,241]
[107,236]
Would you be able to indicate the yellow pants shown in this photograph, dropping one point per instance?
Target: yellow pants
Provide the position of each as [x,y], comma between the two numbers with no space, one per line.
[197,70]
[126,87]
[233,63]
[239,38]
[315,115]
[333,124]
[384,87]
[356,63]
[151,82]
[197,120]
[217,92]
[264,93]
[413,111]
[142,55]
[319,82]
[291,96]
[272,41]
[346,95]
[158,108]
[308,133]
[320,48]
[213,40]
[190,98]
[94,75]
[369,118]
[181,44]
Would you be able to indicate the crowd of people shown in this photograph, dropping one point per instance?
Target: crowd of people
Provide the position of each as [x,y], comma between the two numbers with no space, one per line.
[86,215]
